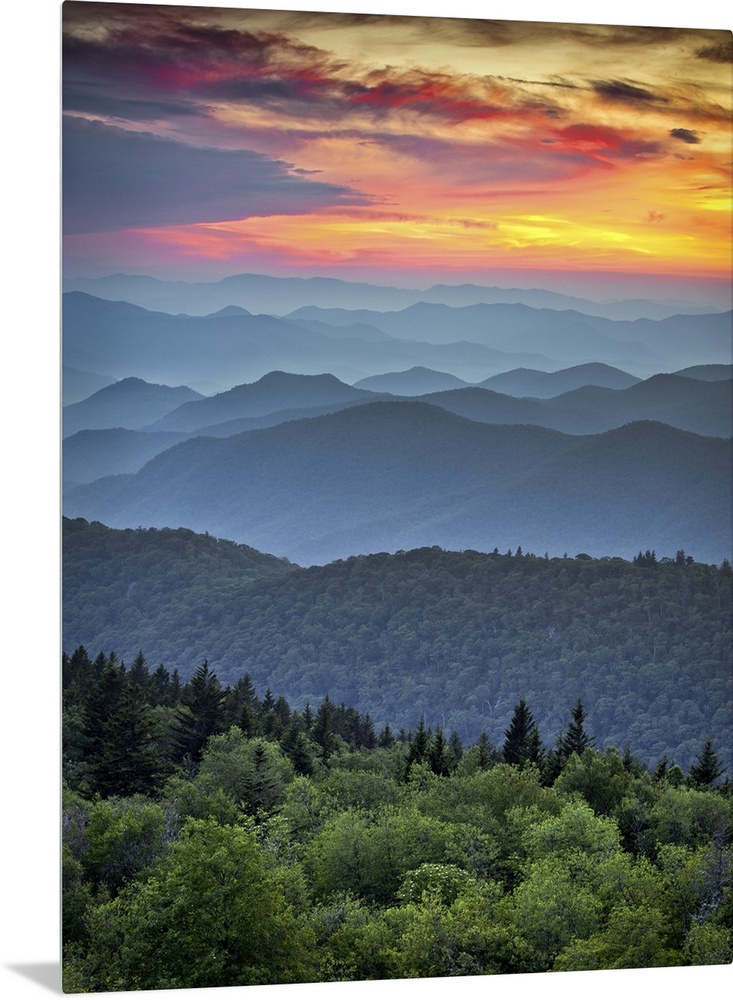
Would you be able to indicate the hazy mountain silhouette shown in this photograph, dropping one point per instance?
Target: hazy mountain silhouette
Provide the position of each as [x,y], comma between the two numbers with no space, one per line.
[387,476]
[274,391]
[89,455]
[78,385]
[708,373]
[414,382]
[687,404]
[264,294]
[124,340]
[131,403]
[572,337]
[544,385]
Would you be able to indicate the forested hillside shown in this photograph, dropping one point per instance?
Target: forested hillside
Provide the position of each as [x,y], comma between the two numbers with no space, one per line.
[216,837]
[458,637]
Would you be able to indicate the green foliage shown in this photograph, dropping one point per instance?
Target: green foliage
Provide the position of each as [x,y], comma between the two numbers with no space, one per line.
[209,913]
[408,857]
[456,637]
[254,773]
[634,938]
[368,855]
[123,836]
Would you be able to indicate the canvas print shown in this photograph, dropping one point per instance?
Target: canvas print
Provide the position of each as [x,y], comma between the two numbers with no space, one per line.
[396,585]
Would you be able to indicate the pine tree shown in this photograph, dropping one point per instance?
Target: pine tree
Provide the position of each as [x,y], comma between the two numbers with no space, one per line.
[322,731]
[130,762]
[418,746]
[139,673]
[437,754]
[160,686]
[385,738]
[521,739]
[200,715]
[455,748]
[485,750]
[101,703]
[262,785]
[575,740]
[296,745]
[707,768]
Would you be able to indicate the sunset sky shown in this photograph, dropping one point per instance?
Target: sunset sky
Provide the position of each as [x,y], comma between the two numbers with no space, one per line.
[202,142]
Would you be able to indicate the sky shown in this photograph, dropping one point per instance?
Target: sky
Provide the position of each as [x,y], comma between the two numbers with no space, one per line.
[202,142]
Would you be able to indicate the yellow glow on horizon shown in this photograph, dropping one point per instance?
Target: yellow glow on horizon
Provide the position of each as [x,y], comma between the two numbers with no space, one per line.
[452,143]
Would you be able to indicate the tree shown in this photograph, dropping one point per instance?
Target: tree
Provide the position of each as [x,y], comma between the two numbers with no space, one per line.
[138,673]
[455,747]
[485,755]
[254,773]
[200,715]
[122,837]
[101,703]
[575,740]
[521,739]
[418,748]
[385,738]
[298,748]
[129,762]
[707,767]
[211,913]
[322,730]
[438,755]
[243,706]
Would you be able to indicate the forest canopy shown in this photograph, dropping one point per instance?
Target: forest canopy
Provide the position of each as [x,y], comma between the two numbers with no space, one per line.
[457,637]
[213,836]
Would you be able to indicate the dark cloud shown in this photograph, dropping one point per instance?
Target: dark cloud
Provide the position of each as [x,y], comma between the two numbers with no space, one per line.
[85,99]
[623,92]
[684,135]
[718,51]
[119,179]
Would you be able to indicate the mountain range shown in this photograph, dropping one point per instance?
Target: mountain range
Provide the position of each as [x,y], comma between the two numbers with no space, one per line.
[701,406]
[130,403]
[385,476]
[266,294]
[471,342]
[574,337]
[125,340]
[457,637]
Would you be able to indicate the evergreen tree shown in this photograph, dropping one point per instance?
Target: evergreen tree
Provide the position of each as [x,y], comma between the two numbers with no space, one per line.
[139,673]
[521,739]
[437,754]
[101,703]
[160,687]
[262,787]
[296,745]
[707,767]
[174,695]
[308,717]
[323,725]
[129,762]
[575,740]
[200,715]
[455,749]
[76,672]
[485,750]
[367,735]
[418,748]
[385,738]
